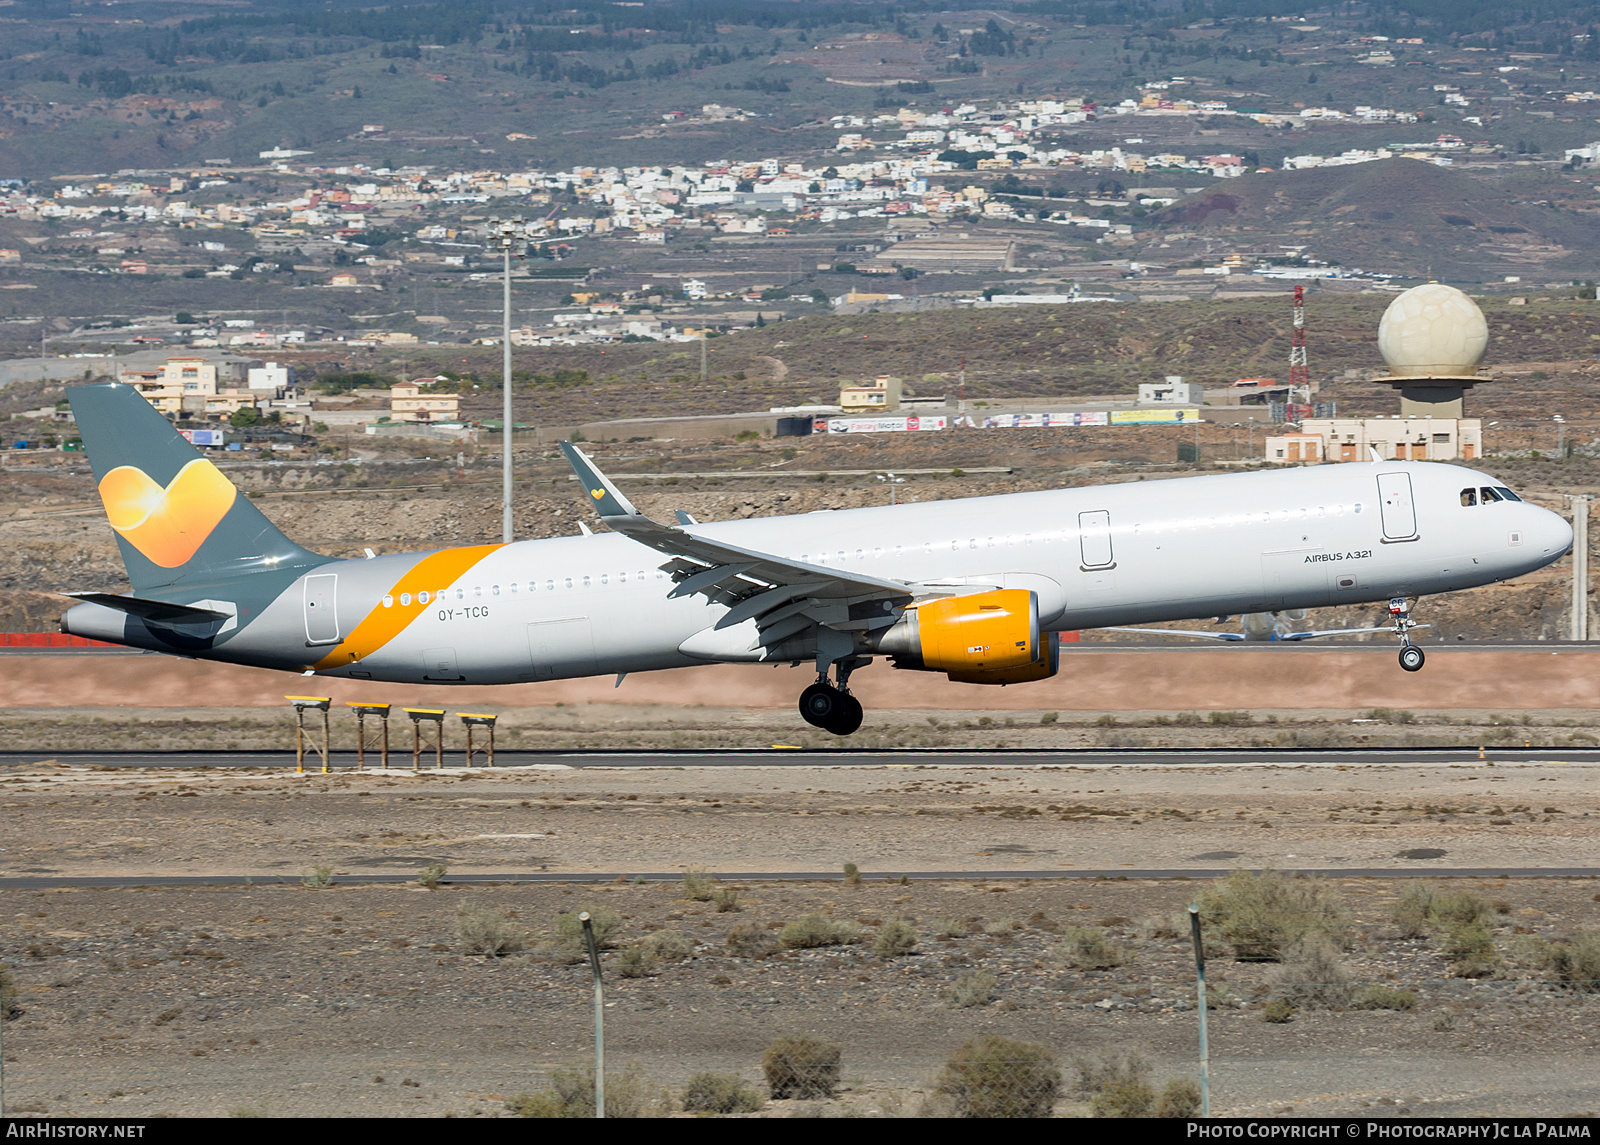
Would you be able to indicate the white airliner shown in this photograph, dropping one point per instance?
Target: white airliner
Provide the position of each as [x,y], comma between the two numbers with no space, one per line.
[976,589]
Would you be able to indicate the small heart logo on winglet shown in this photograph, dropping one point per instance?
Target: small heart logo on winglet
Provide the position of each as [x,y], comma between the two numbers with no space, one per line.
[167,525]
[597,493]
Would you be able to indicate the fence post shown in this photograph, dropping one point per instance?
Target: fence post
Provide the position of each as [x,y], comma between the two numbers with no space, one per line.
[599,1017]
[1200,974]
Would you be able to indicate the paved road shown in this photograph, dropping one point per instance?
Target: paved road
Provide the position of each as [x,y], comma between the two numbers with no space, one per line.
[844,757]
[46,882]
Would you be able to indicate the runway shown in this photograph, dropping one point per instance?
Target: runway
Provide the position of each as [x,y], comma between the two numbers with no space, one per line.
[494,878]
[345,761]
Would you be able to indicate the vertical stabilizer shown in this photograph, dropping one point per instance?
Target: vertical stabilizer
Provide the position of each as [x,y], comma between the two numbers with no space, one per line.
[179,520]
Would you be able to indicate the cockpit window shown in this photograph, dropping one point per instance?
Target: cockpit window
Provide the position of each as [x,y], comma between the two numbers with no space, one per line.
[1506,494]
[1469,496]
[1489,495]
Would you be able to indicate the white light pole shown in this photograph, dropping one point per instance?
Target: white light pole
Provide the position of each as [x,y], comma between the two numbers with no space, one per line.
[509,237]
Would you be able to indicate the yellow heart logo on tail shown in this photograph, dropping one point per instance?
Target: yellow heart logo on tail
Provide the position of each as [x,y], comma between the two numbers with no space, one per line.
[167,525]
[597,493]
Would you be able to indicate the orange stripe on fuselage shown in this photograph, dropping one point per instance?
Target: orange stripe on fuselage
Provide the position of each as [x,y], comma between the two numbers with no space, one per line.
[433,573]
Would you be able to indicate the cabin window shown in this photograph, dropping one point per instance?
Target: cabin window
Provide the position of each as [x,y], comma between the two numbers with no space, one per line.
[405,598]
[422,597]
[605,578]
[860,555]
[494,590]
[569,582]
[477,590]
[388,602]
[1469,497]
[549,586]
[513,587]
[461,593]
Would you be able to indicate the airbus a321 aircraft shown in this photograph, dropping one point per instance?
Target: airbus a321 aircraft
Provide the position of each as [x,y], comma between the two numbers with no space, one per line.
[976,589]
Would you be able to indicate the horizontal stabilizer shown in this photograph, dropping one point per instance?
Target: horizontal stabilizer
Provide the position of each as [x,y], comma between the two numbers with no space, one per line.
[155,611]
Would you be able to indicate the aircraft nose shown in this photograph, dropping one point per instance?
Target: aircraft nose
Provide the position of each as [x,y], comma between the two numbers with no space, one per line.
[1552,533]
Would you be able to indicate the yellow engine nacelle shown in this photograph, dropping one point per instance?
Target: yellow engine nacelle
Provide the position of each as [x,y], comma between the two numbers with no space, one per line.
[984,638]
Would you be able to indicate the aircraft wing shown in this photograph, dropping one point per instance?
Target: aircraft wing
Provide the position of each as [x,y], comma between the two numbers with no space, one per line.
[1340,632]
[1182,632]
[782,596]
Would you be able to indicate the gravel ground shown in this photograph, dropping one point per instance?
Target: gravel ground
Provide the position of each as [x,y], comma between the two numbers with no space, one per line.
[285,999]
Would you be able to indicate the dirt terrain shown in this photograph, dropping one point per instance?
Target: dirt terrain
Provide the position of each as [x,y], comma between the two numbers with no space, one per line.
[278,998]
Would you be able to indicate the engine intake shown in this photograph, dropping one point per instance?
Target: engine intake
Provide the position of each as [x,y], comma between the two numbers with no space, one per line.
[984,638]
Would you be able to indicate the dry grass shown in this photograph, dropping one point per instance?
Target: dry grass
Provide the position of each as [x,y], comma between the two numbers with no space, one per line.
[431,875]
[749,940]
[725,899]
[972,990]
[1576,962]
[697,885]
[709,1092]
[570,1093]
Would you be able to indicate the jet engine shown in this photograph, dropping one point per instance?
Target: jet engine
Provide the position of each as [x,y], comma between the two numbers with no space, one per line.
[984,638]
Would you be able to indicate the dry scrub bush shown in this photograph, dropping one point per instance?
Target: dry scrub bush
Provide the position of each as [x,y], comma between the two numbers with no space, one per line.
[801,1066]
[8,993]
[1460,908]
[318,877]
[951,927]
[1311,976]
[972,990]
[1263,915]
[1180,1097]
[1413,911]
[725,899]
[1117,1085]
[569,932]
[852,875]
[991,1076]
[489,931]
[1090,948]
[1576,963]
[669,945]
[570,1093]
[697,885]
[1383,998]
[1470,947]
[636,961]
[431,875]
[709,1092]
[819,930]
[1277,1013]
[896,938]
[749,939]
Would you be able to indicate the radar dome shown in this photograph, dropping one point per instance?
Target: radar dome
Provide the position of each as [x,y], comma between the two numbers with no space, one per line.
[1433,331]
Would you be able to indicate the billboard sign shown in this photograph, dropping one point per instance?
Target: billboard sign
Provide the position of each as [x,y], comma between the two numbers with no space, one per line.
[1155,416]
[211,437]
[910,424]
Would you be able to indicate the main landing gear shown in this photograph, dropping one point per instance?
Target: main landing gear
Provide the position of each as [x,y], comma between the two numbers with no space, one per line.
[1411,657]
[831,707]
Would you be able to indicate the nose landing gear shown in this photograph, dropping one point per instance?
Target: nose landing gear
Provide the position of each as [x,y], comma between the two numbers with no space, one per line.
[831,707]
[1411,657]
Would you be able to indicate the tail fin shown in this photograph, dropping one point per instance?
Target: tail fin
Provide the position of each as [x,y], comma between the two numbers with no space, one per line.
[178,519]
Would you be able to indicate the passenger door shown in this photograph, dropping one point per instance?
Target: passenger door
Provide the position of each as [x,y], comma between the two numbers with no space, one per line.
[322,608]
[1094,540]
[1397,508]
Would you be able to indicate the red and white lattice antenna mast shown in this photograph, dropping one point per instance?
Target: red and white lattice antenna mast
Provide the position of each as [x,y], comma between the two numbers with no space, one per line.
[1299,371]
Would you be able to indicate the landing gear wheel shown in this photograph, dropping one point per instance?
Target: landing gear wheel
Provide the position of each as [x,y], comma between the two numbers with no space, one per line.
[820,704]
[847,715]
[1411,658]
